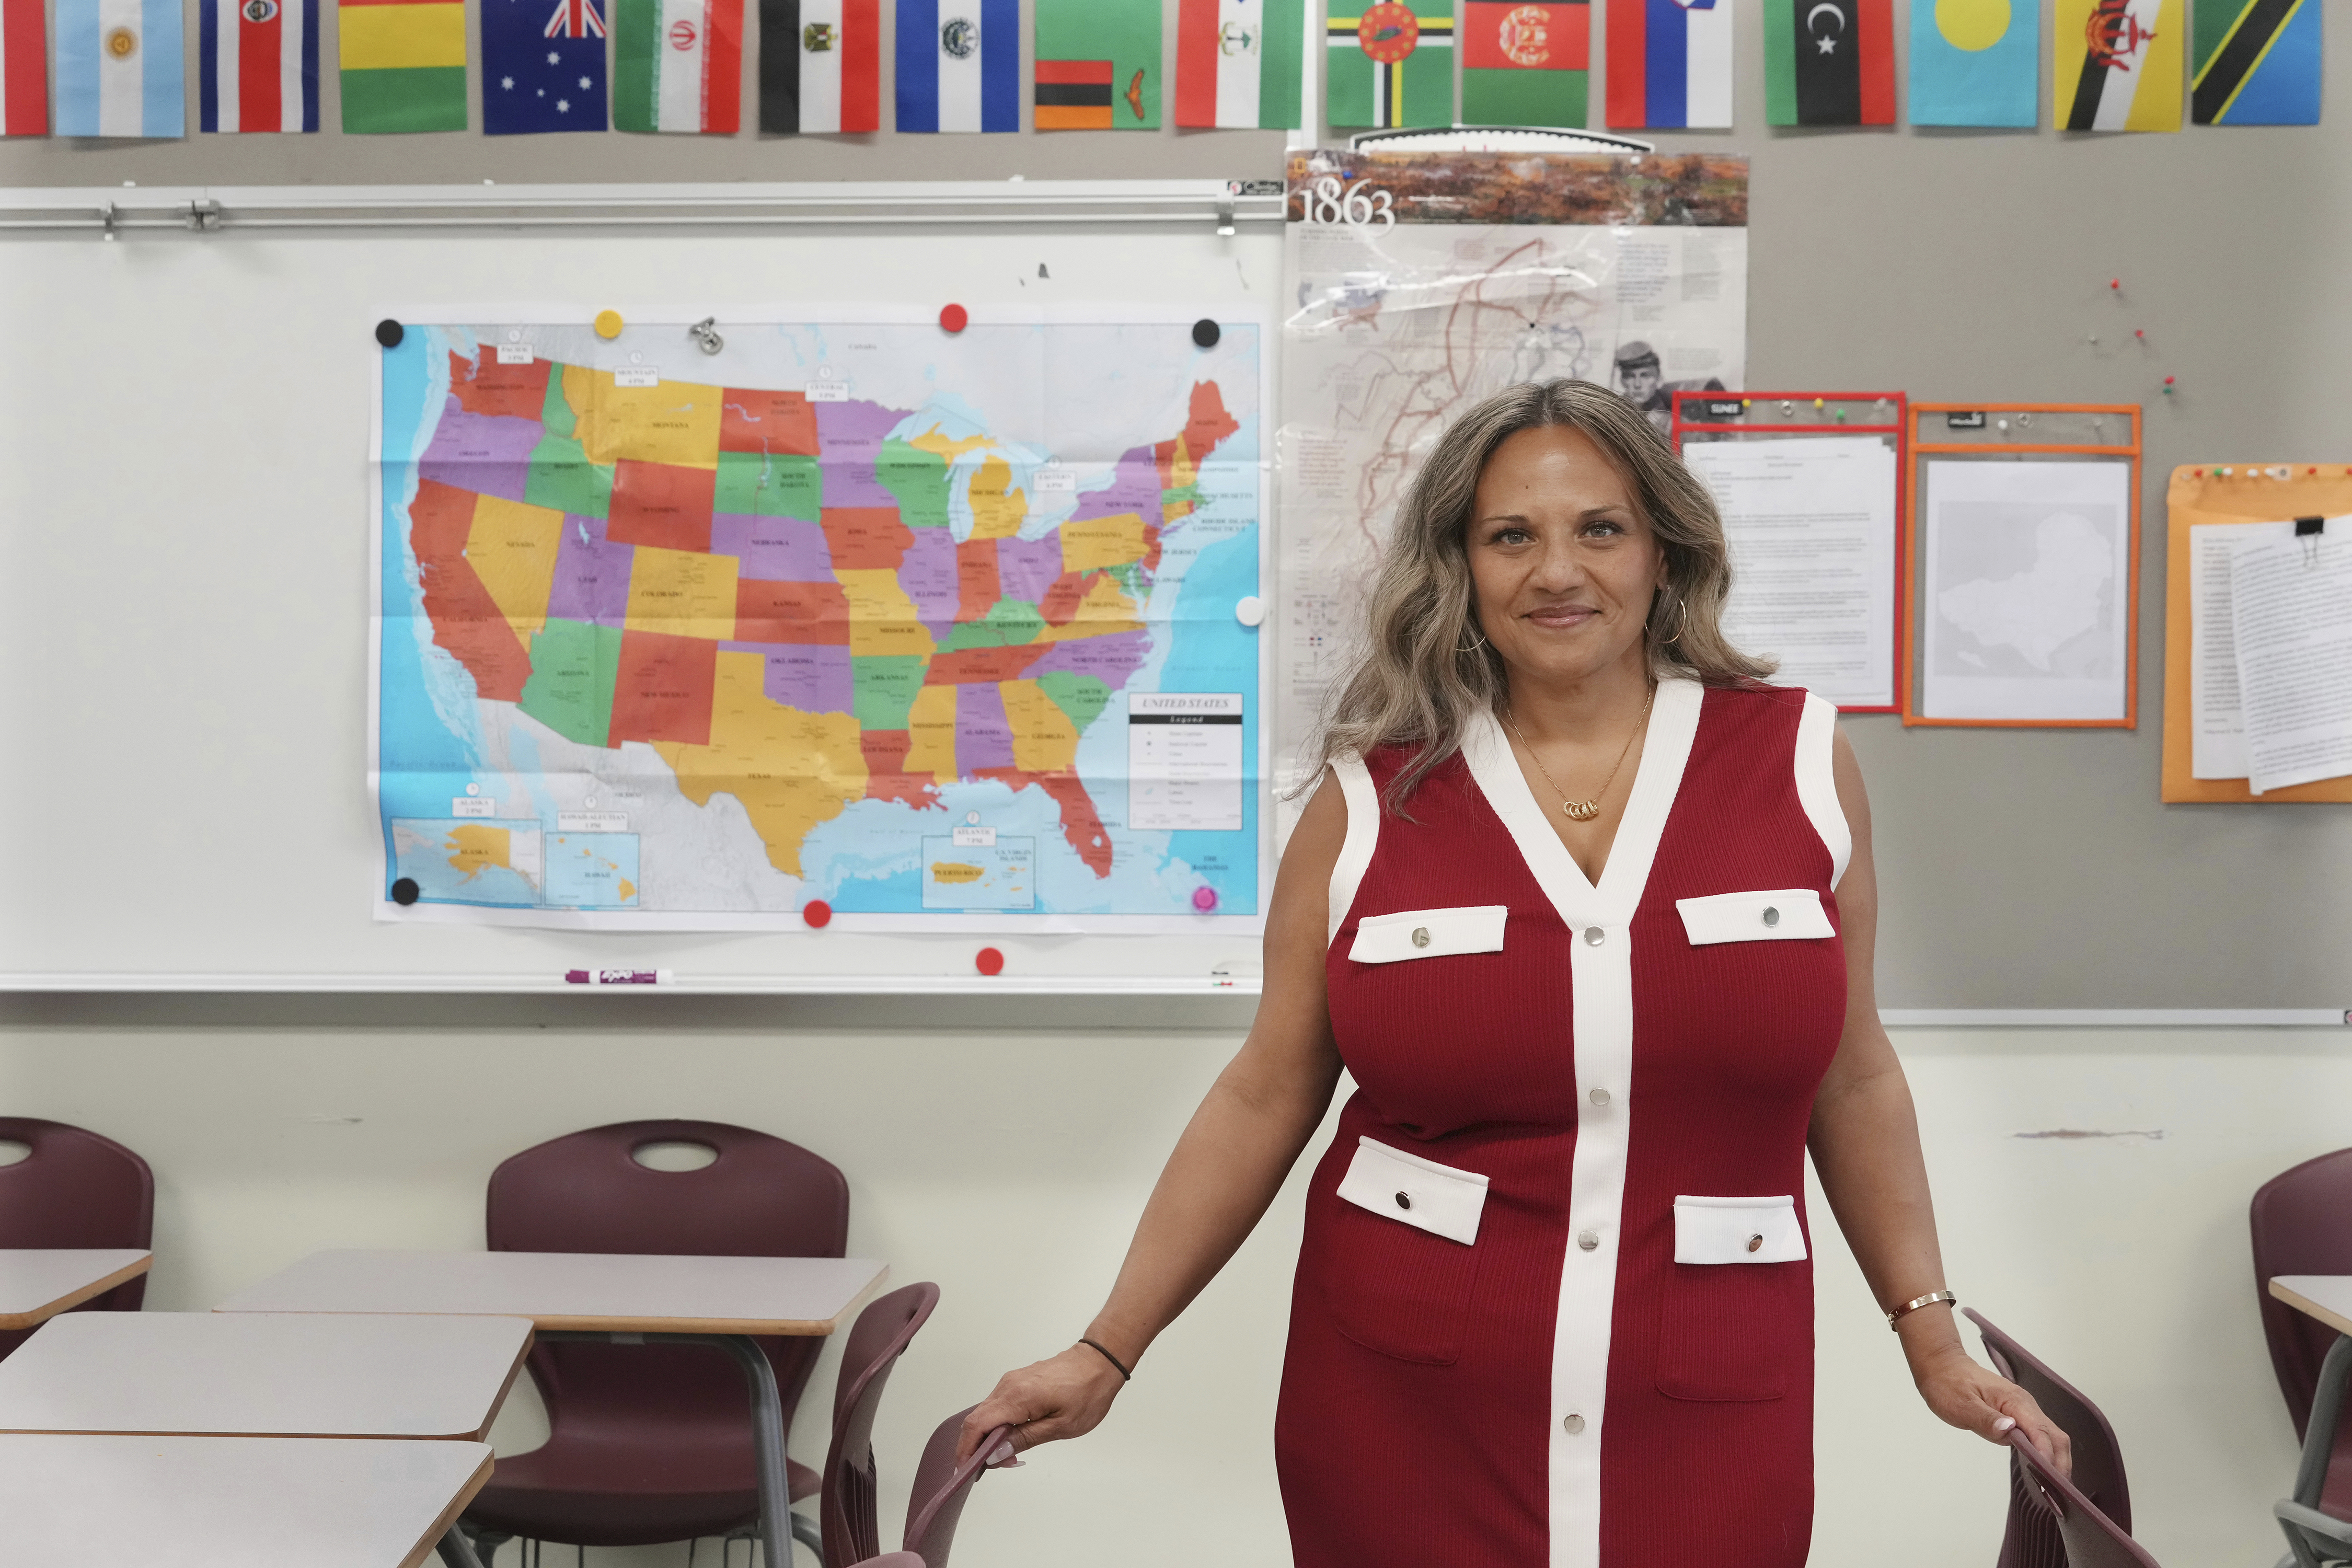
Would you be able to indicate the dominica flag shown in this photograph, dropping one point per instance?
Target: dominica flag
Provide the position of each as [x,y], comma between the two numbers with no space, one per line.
[1829,62]
[2257,63]
[1391,64]
[119,69]
[819,65]
[257,65]
[1975,62]
[2117,65]
[958,65]
[677,65]
[403,64]
[1237,63]
[1524,64]
[542,67]
[1670,64]
[1097,65]
[24,69]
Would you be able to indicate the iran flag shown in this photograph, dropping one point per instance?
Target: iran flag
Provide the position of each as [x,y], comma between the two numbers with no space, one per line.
[24,69]
[1237,63]
[819,65]
[677,65]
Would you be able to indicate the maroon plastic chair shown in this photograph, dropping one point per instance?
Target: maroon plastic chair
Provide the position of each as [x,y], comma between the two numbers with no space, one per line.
[2091,1538]
[2036,1537]
[74,1189]
[851,1530]
[2301,1223]
[653,1443]
[942,1487]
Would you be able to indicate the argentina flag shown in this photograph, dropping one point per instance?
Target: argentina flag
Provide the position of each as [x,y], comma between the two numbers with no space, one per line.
[958,65]
[119,65]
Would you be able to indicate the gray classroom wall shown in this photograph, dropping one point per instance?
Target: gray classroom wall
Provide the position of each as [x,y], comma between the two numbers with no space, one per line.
[1002,1148]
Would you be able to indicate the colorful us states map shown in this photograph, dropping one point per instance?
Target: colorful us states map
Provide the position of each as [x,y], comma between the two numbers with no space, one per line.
[948,631]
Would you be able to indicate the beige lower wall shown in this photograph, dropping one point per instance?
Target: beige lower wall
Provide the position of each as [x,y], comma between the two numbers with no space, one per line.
[1003,1150]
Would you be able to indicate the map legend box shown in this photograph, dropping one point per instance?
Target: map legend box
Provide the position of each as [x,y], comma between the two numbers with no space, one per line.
[1184,761]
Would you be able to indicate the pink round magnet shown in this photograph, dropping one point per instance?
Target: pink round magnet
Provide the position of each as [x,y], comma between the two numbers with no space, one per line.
[1205,899]
[954,318]
[989,961]
[817,912]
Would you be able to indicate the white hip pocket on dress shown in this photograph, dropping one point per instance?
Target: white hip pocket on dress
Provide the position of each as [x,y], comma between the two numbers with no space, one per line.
[1774,914]
[1738,1230]
[1421,1193]
[1430,933]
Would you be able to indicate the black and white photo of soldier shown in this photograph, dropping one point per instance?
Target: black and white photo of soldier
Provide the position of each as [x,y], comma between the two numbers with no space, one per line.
[1640,382]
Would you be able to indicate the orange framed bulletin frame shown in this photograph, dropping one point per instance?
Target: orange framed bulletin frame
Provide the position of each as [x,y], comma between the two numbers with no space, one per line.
[1718,415]
[2008,430]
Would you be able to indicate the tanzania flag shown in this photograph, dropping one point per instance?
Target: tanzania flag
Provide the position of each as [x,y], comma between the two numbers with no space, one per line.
[24,69]
[121,67]
[1670,64]
[2117,65]
[819,65]
[1237,63]
[1975,62]
[403,64]
[1526,65]
[1829,62]
[2257,63]
[257,65]
[677,65]
[1391,65]
[1097,65]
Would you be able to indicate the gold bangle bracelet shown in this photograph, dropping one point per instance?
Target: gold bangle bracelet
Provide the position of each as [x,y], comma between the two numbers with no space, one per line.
[1931,1298]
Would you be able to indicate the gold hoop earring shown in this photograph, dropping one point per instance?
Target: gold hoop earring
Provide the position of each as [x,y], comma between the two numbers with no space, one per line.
[1682,619]
[1476,646]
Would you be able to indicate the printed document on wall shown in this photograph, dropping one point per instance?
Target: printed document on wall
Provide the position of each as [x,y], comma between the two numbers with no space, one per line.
[2291,604]
[2216,709]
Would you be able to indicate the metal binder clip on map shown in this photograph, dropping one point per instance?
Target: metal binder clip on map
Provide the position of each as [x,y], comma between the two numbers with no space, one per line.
[705,334]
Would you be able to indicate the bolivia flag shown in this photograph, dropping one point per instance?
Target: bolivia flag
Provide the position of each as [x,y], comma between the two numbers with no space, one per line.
[960,71]
[677,65]
[403,64]
[819,65]
[1670,64]
[257,65]
[1391,65]
[2117,65]
[1237,63]
[2257,63]
[1526,65]
[1975,62]
[1829,62]
[1097,65]
[119,69]
[24,69]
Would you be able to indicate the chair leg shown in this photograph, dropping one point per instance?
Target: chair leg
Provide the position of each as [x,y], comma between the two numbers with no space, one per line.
[805,1532]
[486,1543]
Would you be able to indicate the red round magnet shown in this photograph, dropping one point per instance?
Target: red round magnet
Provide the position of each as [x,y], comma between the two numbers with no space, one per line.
[817,912]
[954,318]
[990,962]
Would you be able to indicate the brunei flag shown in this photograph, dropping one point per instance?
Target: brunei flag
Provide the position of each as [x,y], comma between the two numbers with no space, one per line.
[2257,63]
[1975,62]
[1670,64]
[819,65]
[24,69]
[2118,63]
[257,65]
[1829,62]
[1525,64]
[1390,65]
[1237,63]
[1097,65]
[677,65]
[958,65]
[403,64]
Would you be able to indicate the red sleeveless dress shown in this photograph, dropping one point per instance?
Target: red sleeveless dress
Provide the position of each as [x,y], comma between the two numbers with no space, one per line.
[1554,1305]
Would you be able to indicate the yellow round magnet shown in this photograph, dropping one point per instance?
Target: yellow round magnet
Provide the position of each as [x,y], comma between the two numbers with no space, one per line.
[608,324]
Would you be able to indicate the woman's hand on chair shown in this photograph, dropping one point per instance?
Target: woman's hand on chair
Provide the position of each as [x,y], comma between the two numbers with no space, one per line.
[1981,1401]
[1063,1397]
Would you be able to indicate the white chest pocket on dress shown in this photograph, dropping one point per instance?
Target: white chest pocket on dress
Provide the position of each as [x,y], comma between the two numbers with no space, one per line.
[1775,914]
[1430,933]
[1738,1230]
[1422,1193]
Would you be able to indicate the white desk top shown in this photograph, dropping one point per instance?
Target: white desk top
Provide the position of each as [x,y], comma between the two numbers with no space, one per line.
[36,1283]
[330,1376]
[228,1502]
[2327,1297]
[602,1291]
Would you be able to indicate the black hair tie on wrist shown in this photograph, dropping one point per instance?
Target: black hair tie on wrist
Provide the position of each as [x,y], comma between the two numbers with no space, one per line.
[1124,1375]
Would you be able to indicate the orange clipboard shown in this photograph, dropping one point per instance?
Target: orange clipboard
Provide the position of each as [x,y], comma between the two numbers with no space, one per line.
[2224,493]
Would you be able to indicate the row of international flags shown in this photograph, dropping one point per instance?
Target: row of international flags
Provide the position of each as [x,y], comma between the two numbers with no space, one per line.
[116,68]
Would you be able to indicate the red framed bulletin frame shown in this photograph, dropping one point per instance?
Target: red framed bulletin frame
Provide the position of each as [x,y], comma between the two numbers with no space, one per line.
[1714,415]
[1998,423]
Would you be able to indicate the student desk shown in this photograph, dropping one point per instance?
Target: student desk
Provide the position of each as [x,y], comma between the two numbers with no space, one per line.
[620,1297]
[36,1283]
[2328,1298]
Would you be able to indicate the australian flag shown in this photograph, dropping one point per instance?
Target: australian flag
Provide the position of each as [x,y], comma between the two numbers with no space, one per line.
[543,65]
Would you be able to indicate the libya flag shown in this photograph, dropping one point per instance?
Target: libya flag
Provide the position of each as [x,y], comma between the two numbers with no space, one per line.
[1829,62]
[1391,64]
[2256,62]
[1097,65]
[1525,64]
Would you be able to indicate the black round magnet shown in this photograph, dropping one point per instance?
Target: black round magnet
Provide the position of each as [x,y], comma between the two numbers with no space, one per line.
[1206,332]
[389,332]
[405,891]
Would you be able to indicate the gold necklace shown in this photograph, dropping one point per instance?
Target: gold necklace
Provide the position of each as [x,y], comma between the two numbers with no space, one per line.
[1584,810]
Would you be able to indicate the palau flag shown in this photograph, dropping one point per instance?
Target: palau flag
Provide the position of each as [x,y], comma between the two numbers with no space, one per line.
[257,65]
[1390,65]
[2117,65]
[1670,64]
[120,64]
[1097,65]
[819,65]
[2257,63]
[959,71]
[1829,62]
[403,64]
[542,67]
[24,69]
[1976,62]
[677,65]
[1525,64]
[1237,63]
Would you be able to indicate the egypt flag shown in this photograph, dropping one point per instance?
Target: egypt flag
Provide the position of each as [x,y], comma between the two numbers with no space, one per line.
[2257,63]
[958,65]
[257,65]
[1829,62]
[819,65]
[1237,63]
[1670,64]
[24,69]
[2118,65]
[1097,65]
[677,65]
[121,68]
[1390,65]
[1525,64]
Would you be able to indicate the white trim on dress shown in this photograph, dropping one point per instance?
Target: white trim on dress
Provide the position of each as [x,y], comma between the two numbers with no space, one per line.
[1817,783]
[1363,804]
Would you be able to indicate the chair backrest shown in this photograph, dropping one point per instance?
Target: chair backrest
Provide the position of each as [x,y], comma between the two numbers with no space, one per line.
[2098,1458]
[850,1525]
[74,1189]
[2093,1539]
[941,1486]
[2299,1223]
[587,1192]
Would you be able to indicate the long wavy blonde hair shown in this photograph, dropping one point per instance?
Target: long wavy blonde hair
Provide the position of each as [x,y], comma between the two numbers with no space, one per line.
[1426,668]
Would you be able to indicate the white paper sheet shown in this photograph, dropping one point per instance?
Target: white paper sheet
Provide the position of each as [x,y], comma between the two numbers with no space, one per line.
[2027,591]
[1810,521]
[2216,716]
[2291,602]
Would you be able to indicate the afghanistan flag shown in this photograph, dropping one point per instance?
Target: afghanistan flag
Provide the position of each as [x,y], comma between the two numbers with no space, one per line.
[1526,65]
[24,69]
[1670,64]
[120,64]
[1829,62]
[2117,65]
[257,65]
[677,65]
[1975,62]
[1097,65]
[1237,63]
[1391,65]
[2257,63]
[958,65]
[403,64]
[542,67]
[819,65]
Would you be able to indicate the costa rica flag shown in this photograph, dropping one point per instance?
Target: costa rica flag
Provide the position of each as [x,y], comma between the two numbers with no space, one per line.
[1670,64]
[259,64]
